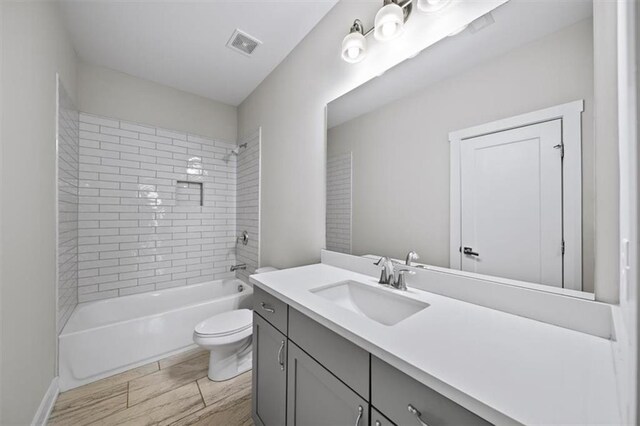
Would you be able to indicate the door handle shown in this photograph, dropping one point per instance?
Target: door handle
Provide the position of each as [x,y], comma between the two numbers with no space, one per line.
[469,251]
[280,357]
[413,410]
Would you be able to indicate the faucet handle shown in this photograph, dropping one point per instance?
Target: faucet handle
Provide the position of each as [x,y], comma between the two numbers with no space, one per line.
[386,275]
[401,281]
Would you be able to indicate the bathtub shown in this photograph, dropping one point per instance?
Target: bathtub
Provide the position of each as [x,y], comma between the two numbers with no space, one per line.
[106,337]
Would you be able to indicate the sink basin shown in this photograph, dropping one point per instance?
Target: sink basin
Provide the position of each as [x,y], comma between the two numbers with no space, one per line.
[378,304]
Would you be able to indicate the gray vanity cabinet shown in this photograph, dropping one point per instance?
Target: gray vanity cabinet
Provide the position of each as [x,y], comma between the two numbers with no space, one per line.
[269,374]
[317,397]
[305,374]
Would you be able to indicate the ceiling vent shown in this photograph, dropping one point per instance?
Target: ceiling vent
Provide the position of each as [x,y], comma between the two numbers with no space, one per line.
[243,43]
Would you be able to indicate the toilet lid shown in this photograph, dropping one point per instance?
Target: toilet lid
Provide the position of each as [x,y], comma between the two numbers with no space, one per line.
[225,323]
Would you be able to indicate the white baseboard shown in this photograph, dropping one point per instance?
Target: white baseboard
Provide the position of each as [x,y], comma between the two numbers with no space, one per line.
[46,405]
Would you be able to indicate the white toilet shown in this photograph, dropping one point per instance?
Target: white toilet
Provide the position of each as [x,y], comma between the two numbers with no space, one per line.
[228,336]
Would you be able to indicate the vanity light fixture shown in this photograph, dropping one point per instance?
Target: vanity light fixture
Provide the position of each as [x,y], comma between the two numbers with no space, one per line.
[388,24]
[354,45]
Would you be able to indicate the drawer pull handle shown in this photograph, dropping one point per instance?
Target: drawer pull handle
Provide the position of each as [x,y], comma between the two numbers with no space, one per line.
[360,411]
[378,423]
[413,410]
[265,307]
[280,357]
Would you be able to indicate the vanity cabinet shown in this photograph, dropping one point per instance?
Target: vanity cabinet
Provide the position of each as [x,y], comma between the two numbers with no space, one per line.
[269,374]
[306,374]
[317,397]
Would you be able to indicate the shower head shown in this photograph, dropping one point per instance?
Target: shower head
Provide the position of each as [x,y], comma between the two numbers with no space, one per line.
[235,152]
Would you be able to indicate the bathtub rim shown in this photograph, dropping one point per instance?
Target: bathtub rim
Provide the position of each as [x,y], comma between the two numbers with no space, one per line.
[247,289]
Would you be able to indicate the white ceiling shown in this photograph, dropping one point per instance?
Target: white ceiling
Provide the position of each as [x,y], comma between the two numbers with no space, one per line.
[182,43]
[516,23]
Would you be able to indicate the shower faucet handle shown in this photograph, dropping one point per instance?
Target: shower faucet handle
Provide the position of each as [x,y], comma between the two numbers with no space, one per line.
[244,238]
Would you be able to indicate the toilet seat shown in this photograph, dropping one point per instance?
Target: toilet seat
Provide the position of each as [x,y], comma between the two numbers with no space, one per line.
[225,324]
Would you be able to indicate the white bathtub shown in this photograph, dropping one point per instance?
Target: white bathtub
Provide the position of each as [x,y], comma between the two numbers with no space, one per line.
[106,337]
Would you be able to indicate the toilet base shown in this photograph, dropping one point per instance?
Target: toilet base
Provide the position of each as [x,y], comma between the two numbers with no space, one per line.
[229,361]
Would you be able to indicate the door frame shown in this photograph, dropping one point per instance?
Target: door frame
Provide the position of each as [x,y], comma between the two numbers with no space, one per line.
[570,113]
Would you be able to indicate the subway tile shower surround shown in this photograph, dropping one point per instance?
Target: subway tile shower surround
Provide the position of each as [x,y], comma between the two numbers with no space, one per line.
[68,146]
[157,208]
[339,203]
[248,205]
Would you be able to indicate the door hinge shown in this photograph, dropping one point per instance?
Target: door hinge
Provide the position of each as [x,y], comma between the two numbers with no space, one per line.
[563,247]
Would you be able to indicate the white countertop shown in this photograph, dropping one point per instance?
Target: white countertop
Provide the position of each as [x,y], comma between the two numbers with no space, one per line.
[505,368]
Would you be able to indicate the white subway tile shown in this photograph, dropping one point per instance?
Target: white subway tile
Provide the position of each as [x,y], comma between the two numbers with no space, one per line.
[156,243]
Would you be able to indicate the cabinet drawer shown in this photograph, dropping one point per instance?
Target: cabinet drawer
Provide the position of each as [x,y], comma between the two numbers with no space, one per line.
[316,397]
[344,359]
[392,392]
[270,308]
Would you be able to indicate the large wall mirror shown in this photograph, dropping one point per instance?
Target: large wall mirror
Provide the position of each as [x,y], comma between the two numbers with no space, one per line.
[476,153]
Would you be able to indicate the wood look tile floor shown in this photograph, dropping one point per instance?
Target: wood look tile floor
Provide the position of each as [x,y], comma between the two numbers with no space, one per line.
[172,391]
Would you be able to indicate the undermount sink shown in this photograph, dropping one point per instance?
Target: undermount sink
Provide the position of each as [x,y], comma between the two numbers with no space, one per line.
[378,304]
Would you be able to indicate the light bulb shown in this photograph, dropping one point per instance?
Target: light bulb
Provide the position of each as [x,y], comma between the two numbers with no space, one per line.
[433,2]
[389,22]
[388,28]
[354,47]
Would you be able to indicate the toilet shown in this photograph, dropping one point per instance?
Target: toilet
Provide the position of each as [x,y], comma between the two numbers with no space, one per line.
[228,337]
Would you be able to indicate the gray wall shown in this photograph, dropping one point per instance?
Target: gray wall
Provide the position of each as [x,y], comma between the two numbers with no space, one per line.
[109,93]
[410,136]
[34,48]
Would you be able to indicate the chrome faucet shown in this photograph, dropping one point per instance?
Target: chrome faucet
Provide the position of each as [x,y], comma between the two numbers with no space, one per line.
[411,256]
[388,277]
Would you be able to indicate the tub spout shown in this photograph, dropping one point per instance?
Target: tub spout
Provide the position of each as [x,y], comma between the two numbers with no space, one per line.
[242,266]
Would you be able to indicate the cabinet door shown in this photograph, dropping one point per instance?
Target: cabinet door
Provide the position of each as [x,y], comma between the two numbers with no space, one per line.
[316,397]
[378,419]
[269,374]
